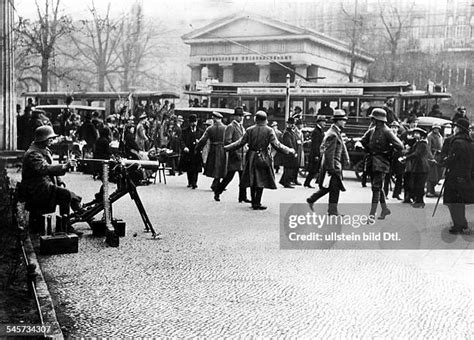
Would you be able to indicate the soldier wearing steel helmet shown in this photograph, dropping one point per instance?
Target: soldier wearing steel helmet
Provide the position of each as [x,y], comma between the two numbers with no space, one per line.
[379,141]
[41,186]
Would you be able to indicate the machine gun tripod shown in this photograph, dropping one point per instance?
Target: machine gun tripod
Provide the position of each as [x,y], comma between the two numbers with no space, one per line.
[127,175]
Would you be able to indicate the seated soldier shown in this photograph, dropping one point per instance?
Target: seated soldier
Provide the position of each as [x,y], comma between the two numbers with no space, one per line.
[41,187]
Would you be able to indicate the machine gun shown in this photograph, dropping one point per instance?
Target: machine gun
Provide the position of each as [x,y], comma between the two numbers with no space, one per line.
[127,174]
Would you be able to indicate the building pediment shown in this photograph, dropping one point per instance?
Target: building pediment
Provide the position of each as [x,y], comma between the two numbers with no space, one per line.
[242,26]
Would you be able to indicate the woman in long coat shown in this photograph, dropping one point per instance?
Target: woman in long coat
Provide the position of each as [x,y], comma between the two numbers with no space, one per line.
[259,175]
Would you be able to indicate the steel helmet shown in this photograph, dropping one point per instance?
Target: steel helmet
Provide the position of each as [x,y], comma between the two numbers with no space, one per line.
[43,133]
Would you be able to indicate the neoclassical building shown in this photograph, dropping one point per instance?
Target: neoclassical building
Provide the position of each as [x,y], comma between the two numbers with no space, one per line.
[245,48]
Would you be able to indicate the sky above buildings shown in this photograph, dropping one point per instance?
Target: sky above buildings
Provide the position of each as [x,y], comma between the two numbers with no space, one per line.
[169,10]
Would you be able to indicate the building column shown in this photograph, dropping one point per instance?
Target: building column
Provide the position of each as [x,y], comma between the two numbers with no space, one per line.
[228,74]
[195,74]
[301,69]
[263,72]
[7,96]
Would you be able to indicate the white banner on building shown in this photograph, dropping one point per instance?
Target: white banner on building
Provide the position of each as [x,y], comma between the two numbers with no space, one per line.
[306,91]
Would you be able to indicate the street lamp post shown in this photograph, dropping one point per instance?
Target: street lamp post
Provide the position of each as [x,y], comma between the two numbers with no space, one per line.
[287,106]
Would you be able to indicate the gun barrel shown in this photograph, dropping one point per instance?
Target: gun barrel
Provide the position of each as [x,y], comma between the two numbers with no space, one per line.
[149,165]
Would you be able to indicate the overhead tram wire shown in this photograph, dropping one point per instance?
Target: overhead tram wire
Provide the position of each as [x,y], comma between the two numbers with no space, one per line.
[263,55]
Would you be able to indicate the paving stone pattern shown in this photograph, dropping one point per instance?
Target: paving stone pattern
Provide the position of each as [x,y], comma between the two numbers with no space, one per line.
[218,272]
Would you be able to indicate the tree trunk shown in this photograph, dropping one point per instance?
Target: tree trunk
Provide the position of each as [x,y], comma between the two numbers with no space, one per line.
[44,74]
[101,79]
[125,82]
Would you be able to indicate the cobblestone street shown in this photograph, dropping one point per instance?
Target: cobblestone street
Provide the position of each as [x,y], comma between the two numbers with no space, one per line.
[218,271]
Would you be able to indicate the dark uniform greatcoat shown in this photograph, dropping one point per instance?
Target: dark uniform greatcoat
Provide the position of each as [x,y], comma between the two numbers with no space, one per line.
[215,166]
[258,137]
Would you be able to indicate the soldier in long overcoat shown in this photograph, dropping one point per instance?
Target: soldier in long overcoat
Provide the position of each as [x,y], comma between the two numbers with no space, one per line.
[290,162]
[235,159]
[191,161]
[215,166]
[41,187]
[457,155]
[258,170]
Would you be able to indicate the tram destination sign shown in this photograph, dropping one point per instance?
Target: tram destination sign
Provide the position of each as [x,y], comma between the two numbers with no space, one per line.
[303,91]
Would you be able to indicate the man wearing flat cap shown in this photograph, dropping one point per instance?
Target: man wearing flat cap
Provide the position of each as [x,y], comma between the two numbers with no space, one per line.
[379,142]
[457,155]
[314,154]
[258,170]
[235,159]
[191,161]
[334,158]
[290,161]
[215,166]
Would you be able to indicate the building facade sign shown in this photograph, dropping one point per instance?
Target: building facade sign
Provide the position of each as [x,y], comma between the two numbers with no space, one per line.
[243,58]
[300,91]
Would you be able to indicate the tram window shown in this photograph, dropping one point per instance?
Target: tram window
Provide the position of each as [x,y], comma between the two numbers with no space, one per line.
[366,106]
[349,106]
[326,107]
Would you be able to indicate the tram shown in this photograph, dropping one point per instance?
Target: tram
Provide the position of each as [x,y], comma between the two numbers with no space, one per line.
[111,101]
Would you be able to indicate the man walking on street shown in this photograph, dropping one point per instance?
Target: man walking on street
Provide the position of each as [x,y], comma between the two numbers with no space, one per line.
[334,157]
[379,142]
[215,166]
[314,161]
[235,159]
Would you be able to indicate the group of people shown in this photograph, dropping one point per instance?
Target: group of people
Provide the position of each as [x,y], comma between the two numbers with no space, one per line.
[415,158]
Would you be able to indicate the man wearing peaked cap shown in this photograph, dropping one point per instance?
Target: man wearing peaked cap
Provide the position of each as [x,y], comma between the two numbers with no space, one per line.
[457,155]
[215,165]
[258,170]
[216,114]
[379,142]
[335,157]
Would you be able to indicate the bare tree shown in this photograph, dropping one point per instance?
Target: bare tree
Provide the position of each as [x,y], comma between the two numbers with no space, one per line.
[99,46]
[355,33]
[395,25]
[40,38]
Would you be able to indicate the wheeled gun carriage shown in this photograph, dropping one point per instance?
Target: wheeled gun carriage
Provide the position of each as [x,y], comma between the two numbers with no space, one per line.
[127,175]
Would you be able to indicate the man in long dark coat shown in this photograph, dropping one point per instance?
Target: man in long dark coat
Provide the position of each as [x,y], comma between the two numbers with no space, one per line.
[191,161]
[215,166]
[235,159]
[290,161]
[259,175]
[457,155]
[314,160]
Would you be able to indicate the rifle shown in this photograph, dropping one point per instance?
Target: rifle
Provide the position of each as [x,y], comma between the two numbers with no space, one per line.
[125,184]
